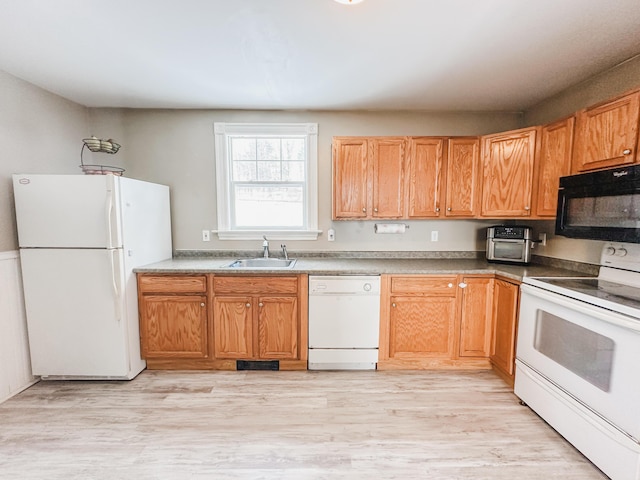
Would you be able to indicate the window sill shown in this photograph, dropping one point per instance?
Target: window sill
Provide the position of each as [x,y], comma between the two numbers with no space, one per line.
[270,234]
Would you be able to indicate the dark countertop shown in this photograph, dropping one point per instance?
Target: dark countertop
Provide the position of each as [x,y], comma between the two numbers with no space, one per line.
[362,266]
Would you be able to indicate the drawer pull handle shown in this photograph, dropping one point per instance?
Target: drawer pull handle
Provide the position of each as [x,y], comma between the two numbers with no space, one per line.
[462,285]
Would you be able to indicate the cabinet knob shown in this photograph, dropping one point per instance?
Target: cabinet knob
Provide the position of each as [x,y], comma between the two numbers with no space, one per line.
[437,209]
[527,207]
[261,304]
[450,285]
[393,305]
[202,304]
[364,210]
[626,151]
[247,305]
[462,285]
[375,210]
[448,209]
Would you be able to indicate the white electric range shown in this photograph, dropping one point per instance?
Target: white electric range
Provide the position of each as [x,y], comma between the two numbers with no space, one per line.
[578,356]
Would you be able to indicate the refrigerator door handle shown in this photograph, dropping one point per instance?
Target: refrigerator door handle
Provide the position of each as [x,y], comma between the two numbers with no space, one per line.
[109,213]
[114,284]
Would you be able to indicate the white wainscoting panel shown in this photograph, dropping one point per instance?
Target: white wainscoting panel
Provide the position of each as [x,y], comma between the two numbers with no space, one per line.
[15,364]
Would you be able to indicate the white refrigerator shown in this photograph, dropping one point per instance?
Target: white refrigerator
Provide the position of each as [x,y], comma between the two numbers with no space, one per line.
[80,238]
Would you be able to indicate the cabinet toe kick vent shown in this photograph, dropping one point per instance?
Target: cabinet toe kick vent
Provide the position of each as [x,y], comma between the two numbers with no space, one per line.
[257,365]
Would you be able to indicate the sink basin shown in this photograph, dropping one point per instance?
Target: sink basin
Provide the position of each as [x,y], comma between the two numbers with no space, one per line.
[270,263]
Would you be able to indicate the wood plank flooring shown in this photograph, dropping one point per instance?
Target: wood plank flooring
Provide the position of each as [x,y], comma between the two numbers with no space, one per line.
[282,425]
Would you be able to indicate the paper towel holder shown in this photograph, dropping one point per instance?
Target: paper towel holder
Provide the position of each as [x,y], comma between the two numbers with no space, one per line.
[390,227]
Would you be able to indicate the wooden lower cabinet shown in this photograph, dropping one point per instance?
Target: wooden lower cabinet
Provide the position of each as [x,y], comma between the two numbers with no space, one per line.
[210,321]
[475,316]
[422,318]
[173,317]
[261,318]
[259,327]
[506,297]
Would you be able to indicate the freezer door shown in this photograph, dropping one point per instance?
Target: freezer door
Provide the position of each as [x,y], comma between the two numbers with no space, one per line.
[75,315]
[67,211]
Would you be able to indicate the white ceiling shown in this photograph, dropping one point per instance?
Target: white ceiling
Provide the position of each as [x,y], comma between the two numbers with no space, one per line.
[314,54]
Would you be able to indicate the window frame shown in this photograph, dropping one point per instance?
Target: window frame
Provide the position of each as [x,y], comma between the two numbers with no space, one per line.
[222,132]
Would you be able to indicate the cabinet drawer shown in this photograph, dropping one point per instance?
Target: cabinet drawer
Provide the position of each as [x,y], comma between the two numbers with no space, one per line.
[425,285]
[252,284]
[172,283]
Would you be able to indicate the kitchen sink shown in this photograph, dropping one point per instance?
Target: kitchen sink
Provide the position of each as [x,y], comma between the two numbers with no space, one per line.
[270,263]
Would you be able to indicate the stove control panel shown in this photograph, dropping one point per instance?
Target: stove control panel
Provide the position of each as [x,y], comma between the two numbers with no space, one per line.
[625,256]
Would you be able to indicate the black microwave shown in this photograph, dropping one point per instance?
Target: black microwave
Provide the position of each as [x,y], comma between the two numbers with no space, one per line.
[602,205]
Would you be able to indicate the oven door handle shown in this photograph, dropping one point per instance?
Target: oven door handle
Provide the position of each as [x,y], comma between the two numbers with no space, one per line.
[600,313]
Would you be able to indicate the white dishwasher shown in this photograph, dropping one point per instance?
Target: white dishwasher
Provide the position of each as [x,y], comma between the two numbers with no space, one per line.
[344,322]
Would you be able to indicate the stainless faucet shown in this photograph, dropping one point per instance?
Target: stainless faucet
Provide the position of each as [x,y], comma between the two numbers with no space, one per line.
[284,251]
[265,247]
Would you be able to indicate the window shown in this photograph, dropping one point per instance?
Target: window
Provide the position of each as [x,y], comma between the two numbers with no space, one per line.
[267,180]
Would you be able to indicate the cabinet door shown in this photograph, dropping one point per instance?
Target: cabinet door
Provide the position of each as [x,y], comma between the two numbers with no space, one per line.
[607,135]
[463,171]
[278,327]
[350,178]
[508,160]
[505,317]
[174,326]
[556,145]
[387,159]
[421,327]
[425,171]
[475,313]
[232,327]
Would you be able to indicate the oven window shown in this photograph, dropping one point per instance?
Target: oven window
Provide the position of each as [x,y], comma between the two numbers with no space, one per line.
[584,352]
[506,250]
[622,211]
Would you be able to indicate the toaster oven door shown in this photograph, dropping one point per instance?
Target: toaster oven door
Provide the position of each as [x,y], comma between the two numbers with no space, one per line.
[510,251]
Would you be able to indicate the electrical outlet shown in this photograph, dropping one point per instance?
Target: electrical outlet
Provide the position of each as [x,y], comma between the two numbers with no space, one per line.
[331,235]
[434,236]
[206,236]
[543,238]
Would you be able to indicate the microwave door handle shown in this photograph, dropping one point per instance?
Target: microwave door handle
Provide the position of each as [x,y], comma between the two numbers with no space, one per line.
[506,240]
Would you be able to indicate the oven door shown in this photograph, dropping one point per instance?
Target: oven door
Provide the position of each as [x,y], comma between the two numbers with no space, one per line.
[589,352]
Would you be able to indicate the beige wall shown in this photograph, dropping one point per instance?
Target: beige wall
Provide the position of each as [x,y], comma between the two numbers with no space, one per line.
[39,133]
[611,83]
[176,147]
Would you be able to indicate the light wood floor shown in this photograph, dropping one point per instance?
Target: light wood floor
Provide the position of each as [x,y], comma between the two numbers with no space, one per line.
[282,425]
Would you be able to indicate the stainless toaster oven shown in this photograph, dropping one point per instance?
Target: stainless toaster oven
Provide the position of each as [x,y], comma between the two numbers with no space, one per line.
[509,244]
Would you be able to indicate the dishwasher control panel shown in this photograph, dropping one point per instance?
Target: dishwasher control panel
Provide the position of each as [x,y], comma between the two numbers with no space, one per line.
[344,285]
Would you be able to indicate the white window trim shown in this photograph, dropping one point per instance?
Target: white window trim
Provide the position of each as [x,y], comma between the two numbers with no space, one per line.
[223,179]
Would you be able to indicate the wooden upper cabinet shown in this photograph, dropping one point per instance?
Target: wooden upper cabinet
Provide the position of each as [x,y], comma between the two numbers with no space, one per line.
[607,134]
[508,161]
[425,172]
[350,177]
[368,177]
[554,161]
[387,159]
[462,177]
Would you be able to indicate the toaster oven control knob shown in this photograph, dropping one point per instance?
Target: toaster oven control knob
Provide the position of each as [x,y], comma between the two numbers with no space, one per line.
[609,251]
[621,252]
